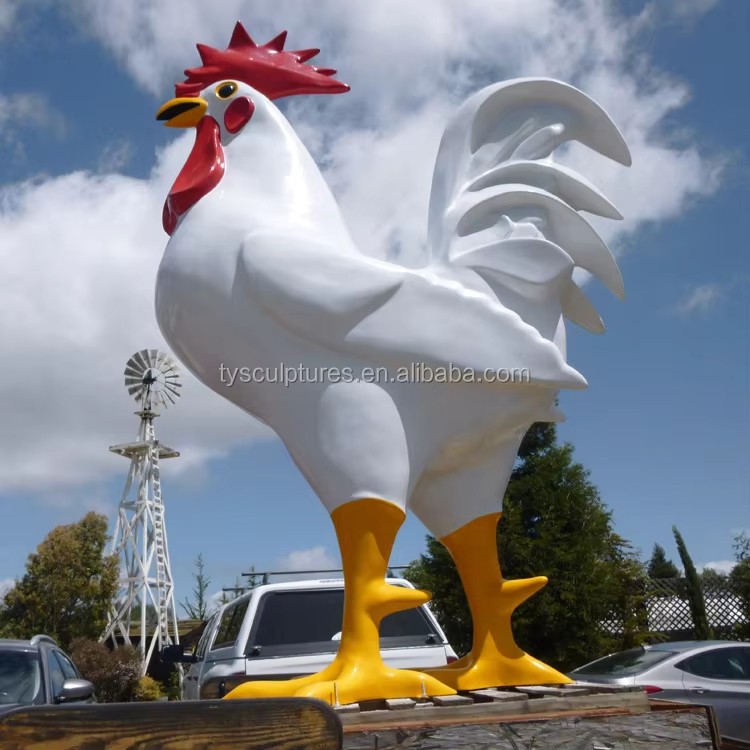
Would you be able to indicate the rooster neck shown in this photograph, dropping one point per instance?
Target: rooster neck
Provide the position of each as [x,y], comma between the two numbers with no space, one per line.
[276,181]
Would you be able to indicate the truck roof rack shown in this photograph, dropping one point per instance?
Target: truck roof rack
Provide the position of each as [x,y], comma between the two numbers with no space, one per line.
[262,577]
[265,575]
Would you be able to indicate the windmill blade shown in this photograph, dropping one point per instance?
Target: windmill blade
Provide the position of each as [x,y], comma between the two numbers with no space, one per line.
[151,376]
[141,358]
[133,371]
[159,358]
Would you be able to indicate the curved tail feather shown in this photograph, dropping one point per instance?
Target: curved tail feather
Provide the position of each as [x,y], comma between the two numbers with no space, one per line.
[496,188]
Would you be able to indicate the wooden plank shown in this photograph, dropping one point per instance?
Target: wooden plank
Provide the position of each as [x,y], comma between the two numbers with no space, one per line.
[452,700]
[348,708]
[394,704]
[270,724]
[497,695]
[559,692]
[657,731]
[497,711]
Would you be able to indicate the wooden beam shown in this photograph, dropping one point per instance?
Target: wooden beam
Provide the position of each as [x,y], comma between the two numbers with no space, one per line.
[534,709]
[267,724]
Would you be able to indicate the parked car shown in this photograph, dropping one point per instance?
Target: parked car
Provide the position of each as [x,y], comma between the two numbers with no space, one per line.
[38,671]
[283,630]
[713,673]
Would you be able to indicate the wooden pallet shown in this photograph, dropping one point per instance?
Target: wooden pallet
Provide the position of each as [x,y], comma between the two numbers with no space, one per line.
[481,705]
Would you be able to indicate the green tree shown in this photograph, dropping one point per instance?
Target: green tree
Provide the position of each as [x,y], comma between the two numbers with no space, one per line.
[693,591]
[741,545]
[197,609]
[68,587]
[740,581]
[713,577]
[659,566]
[555,524]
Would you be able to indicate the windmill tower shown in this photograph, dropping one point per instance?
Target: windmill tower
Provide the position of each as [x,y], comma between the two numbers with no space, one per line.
[146,594]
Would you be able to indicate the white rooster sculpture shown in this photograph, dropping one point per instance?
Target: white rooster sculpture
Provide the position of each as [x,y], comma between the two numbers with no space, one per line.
[260,272]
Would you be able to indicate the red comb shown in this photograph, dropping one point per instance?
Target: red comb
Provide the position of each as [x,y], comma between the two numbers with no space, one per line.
[267,67]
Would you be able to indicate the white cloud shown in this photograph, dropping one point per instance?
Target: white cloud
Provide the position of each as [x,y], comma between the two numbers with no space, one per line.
[720,566]
[80,251]
[115,156]
[686,10]
[701,299]
[315,558]
[8,10]
[20,113]
[80,254]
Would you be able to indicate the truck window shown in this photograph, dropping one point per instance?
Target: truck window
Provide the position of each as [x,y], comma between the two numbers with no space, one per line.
[200,650]
[304,622]
[229,627]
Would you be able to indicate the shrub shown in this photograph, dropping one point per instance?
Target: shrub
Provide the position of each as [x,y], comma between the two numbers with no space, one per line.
[115,674]
[172,686]
[148,689]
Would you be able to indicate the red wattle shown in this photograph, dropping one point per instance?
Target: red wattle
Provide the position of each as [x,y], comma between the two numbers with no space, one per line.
[202,172]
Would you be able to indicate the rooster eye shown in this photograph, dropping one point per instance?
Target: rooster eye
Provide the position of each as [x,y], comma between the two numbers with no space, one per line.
[225,90]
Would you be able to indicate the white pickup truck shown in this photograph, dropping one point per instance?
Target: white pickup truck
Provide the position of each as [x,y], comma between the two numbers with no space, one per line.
[282,630]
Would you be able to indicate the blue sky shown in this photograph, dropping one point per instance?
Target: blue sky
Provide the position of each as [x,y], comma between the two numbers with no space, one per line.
[664,426]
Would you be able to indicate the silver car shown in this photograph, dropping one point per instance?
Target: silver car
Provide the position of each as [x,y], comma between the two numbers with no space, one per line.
[36,672]
[712,673]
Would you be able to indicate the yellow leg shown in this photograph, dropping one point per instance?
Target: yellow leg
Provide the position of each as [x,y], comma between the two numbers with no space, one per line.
[366,530]
[495,659]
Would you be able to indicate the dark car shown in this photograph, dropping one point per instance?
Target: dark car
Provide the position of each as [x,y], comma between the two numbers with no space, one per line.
[36,672]
[713,673]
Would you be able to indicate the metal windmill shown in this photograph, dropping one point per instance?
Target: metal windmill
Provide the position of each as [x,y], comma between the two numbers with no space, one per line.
[146,594]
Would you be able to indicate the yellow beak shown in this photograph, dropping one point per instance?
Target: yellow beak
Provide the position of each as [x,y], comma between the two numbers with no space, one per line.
[182,112]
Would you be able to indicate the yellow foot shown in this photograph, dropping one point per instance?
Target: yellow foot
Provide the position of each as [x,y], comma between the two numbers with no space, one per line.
[489,671]
[496,660]
[346,682]
[365,530]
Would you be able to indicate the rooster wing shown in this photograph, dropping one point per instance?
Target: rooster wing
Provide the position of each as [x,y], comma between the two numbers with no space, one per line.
[391,315]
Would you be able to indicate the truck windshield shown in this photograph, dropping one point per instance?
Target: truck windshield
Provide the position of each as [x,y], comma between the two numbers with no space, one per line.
[20,677]
[298,622]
